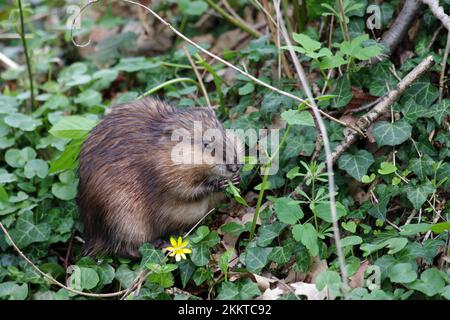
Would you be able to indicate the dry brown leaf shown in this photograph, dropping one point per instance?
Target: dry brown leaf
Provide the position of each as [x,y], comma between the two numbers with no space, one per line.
[263,282]
[357,280]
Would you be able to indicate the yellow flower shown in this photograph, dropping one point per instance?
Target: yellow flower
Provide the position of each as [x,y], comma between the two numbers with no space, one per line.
[178,249]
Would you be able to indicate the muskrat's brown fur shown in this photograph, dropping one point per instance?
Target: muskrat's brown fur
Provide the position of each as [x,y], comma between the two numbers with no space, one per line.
[130,190]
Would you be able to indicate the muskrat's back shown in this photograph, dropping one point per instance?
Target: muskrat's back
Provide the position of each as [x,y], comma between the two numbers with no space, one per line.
[130,190]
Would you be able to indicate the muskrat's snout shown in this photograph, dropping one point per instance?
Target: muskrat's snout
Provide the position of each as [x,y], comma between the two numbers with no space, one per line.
[234,168]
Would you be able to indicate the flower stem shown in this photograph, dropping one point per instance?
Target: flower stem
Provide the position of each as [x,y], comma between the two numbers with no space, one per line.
[27,57]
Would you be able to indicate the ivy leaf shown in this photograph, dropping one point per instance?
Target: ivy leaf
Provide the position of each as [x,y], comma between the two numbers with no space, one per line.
[387,168]
[441,110]
[402,273]
[281,255]
[329,280]
[150,255]
[422,92]
[356,164]
[413,111]
[417,195]
[187,269]
[201,275]
[343,93]
[296,117]
[307,235]
[287,210]
[256,258]
[266,234]
[391,134]
[233,229]
[200,234]
[228,291]
[422,166]
[12,291]
[431,282]
[224,261]
[27,232]
[83,278]
[200,255]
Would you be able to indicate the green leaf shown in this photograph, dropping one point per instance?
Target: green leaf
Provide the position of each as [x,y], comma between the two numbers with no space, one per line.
[228,291]
[12,291]
[440,227]
[200,234]
[391,134]
[422,166]
[3,195]
[394,245]
[417,195]
[351,241]
[26,231]
[193,8]
[387,168]
[349,226]
[307,235]
[200,255]
[266,234]
[65,191]
[73,127]
[150,255]
[402,273]
[83,278]
[287,210]
[248,88]
[441,110]
[322,210]
[164,279]
[233,229]
[187,269]
[310,45]
[224,261]
[22,122]
[343,93]
[356,164]
[201,275]
[233,190]
[69,158]
[281,255]
[18,158]
[414,229]
[36,167]
[330,281]
[431,282]
[422,92]
[296,117]
[256,258]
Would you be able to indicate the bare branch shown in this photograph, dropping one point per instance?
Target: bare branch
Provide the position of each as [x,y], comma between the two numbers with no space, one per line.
[438,12]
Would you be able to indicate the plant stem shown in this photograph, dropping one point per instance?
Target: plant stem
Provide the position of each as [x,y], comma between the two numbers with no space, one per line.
[167,83]
[233,20]
[343,21]
[27,57]
[285,6]
[264,182]
[300,15]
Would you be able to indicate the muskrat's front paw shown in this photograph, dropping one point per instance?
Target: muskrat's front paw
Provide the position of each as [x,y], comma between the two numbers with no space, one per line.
[236,180]
[222,184]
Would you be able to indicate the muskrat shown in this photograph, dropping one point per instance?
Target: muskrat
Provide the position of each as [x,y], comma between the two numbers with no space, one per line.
[131,190]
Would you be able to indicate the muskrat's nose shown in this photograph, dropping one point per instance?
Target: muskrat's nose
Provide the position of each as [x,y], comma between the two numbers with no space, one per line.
[233,167]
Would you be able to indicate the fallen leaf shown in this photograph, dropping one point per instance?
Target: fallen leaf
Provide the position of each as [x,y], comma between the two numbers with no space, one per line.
[309,290]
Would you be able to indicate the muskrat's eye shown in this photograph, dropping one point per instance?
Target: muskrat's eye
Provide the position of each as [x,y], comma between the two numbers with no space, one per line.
[205,145]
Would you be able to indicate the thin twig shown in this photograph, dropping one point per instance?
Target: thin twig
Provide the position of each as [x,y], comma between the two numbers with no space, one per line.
[8,62]
[343,20]
[438,12]
[245,73]
[199,77]
[326,143]
[444,67]
[50,278]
